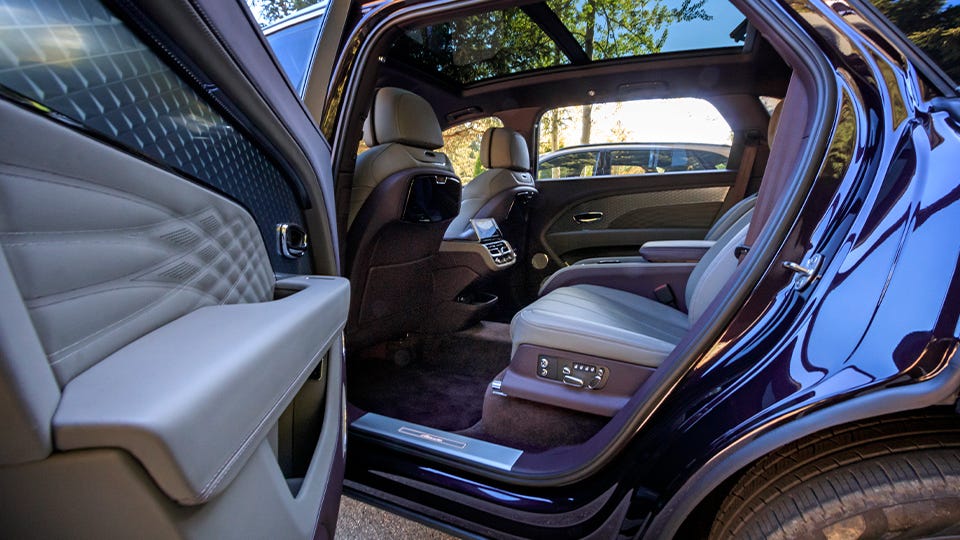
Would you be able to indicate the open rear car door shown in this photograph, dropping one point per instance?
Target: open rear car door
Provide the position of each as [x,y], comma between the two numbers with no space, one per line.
[170,311]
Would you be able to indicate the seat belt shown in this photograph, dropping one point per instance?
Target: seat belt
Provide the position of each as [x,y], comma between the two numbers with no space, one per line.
[739,188]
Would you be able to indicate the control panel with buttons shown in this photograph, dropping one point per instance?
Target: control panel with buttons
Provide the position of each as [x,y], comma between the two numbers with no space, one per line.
[570,373]
[501,252]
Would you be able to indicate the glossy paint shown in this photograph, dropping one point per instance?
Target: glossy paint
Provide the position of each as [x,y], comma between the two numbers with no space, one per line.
[885,214]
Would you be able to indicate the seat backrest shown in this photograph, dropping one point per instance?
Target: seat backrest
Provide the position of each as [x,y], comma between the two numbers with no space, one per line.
[404,196]
[504,153]
[715,268]
[730,217]
[403,133]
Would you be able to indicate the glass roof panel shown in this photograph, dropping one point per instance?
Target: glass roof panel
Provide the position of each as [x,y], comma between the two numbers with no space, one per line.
[506,42]
[608,29]
[479,47]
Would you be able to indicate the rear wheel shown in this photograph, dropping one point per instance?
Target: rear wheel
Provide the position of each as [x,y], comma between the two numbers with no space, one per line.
[846,485]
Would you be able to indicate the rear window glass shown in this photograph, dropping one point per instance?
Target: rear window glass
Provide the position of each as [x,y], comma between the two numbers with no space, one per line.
[633,138]
[933,25]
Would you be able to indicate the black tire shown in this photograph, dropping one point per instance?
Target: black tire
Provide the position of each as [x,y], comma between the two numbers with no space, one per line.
[843,485]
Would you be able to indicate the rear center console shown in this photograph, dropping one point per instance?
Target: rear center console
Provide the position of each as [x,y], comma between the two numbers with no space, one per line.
[499,254]
[488,242]
[466,264]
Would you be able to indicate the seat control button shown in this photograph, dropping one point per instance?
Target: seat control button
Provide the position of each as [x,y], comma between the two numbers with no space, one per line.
[595,383]
[573,381]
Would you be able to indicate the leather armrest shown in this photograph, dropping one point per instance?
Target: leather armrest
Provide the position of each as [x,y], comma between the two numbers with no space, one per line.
[638,278]
[612,260]
[193,399]
[664,251]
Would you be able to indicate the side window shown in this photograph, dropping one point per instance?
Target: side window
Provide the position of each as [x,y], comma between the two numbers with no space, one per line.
[624,162]
[633,138]
[461,143]
[76,60]
[294,46]
[568,165]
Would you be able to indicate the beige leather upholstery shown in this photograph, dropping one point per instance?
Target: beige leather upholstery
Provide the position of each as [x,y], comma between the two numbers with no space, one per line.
[602,322]
[504,148]
[402,132]
[399,116]
[609,323]
[504,153]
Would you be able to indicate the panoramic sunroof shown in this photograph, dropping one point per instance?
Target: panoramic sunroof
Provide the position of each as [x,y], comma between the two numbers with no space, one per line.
[619,29]
[560,32]
[480,47]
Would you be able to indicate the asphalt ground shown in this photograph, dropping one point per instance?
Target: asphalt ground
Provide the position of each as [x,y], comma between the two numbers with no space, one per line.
[361,521]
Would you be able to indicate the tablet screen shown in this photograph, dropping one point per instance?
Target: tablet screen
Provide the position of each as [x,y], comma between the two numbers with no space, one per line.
[486,228]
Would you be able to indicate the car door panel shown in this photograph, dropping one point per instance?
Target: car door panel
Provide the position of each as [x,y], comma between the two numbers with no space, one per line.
[578,218]
[138,227]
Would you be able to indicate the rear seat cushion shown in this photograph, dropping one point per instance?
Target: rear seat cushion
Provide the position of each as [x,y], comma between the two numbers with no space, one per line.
[606,322]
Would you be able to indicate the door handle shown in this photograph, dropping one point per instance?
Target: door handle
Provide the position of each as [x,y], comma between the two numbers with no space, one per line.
[291,240]
[588,217]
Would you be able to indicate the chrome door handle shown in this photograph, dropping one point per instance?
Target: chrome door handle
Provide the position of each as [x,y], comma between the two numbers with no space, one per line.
[291,240]
[588,217]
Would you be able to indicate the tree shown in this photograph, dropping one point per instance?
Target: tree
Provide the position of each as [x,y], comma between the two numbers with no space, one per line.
[273,10]
[461,143]
[551,123]
[620,28]
[933,26]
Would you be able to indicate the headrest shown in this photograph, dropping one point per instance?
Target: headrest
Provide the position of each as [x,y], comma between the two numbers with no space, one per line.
[399,116]
[504,148]
[774,123]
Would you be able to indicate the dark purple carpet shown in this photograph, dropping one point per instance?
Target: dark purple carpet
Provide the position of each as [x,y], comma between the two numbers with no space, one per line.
[443,385]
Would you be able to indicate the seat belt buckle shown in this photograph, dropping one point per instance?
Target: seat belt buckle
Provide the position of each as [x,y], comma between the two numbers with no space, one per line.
[664,295]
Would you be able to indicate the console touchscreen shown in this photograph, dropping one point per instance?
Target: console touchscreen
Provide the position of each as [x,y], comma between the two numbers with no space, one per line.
[486,229]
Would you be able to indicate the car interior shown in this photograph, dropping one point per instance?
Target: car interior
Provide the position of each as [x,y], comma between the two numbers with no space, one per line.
[166,350]
[510,322]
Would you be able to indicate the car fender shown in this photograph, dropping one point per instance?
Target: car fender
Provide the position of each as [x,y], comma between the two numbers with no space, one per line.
[781,431]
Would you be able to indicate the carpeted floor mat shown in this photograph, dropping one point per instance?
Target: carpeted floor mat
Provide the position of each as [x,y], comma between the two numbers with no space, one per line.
[442,388]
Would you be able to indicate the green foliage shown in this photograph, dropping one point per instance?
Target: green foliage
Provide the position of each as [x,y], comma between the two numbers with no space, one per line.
[274,10]
[933,26]
[507,41]
[477,166]
[461,143]
[620,28]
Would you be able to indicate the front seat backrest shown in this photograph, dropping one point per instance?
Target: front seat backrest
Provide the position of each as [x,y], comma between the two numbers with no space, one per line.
[492,194]
[402,132]
[404,196]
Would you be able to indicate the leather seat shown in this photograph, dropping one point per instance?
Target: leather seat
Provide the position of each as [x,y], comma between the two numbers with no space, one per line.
[507,179]
[730,218]
[723,224]
[404,196]
[609,323]
[402,133]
